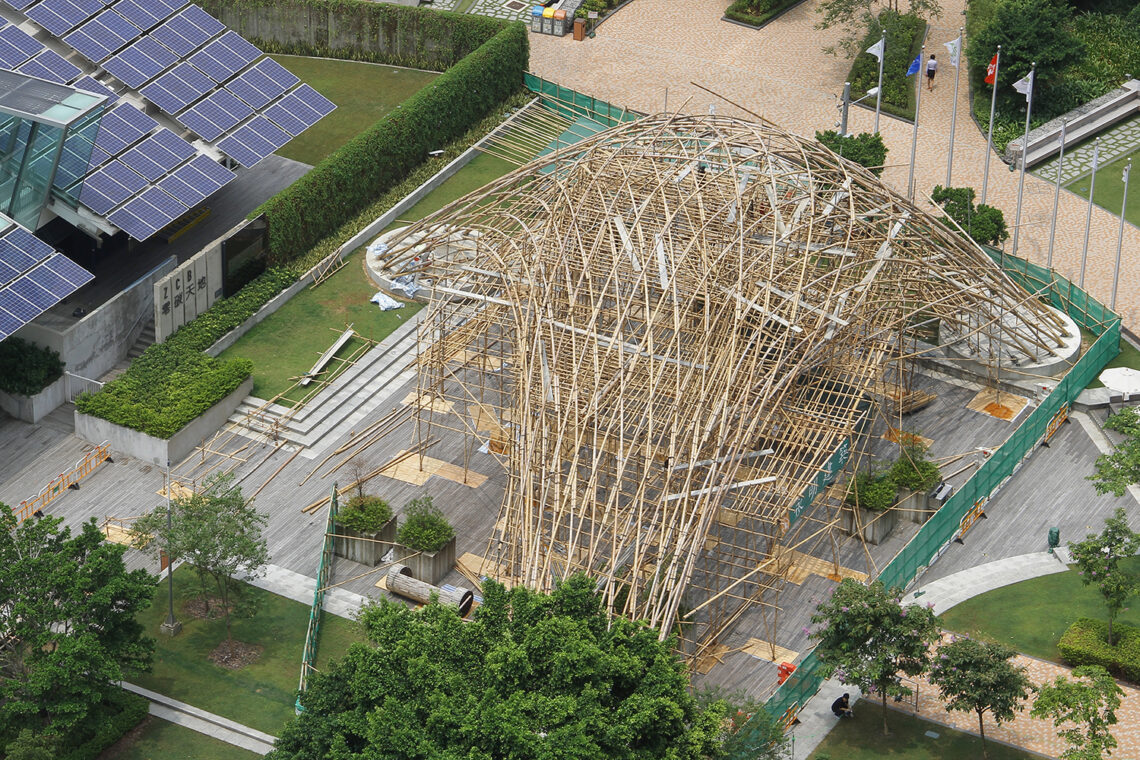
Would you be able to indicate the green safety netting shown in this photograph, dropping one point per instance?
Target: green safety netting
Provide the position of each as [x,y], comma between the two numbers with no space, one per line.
[572,104]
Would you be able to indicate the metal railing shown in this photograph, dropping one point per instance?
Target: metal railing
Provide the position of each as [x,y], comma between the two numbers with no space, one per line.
[78,385]
[63,481]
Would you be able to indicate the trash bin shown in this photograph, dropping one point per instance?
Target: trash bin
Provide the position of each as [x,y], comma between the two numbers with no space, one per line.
[548,21]
[1054,538]
[579,29]
[559,29]
[536,18]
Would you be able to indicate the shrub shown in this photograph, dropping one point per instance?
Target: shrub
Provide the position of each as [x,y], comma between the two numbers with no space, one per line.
[983,223]
[366,514]
[904,42]
[353,176]
[913,471]
[425,529]
[123,711]
[173,382]
[757,12]
[1086,643]
[26,369]
[864,149]
[874,491]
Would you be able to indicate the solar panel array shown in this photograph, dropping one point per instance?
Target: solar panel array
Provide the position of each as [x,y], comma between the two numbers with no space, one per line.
[185,62]
[33,278]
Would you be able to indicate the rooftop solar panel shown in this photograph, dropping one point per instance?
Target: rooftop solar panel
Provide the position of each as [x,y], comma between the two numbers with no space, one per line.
[299,110]
[27,288]
[16,258]
[225,56]
[52,282]
[187,31]
[110,186]
[158,154]
[34,291]
[17,46]
[101,36]
[146,13]
[19,4]
[215,114]
[261,83]
[178,88]
[253,141]
[123,126]
[69,270]
[7,273]
[18,310]
[28,243]
[61,16]
[195,181]
[148,213]
[140,62]
[91,84]
[51,66]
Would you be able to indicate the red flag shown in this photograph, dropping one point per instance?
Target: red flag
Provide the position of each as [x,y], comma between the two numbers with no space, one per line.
[991,70]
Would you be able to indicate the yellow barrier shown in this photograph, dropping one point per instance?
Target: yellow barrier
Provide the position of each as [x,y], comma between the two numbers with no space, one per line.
[70,479]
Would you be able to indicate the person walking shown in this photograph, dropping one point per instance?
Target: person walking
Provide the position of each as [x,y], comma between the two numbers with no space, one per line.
[931,70]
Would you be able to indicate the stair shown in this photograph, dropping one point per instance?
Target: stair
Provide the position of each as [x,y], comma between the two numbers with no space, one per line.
[142,343]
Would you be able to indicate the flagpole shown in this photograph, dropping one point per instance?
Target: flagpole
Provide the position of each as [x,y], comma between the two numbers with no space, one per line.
[1088,216]
[990,136]
[1056,196]
[956,59]
[879,94]
[1120,236]
[914,134]
[1024,154]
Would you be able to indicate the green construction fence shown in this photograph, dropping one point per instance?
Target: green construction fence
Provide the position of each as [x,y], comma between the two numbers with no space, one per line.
[324,572]
[573,104]
[944,526]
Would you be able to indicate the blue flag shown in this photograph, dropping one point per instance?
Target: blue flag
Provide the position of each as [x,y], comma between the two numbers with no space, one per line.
[914,65]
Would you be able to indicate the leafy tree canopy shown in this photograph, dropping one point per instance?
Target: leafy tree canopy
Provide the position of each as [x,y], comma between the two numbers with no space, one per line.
[1099,557]
[985,224]
[1120,469]
[532,676]
[69,603]
[854,17]
[978,676]
[1089,702]
[867,638]
[864,149]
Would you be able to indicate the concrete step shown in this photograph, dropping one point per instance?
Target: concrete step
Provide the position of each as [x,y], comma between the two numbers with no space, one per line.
[143,342]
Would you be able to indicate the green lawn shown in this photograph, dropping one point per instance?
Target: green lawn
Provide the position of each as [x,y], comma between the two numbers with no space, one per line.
[363,92]
[1110,189]
[861,738]
[158,739]
[1031,616]
[290,341]
[1129,356]
[262,694]
[481,170]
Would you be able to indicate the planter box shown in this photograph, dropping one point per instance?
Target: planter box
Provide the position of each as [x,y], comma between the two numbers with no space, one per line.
[426,567]
[876,525]
[370,552]
[34,408]
[914,506]
[161,451]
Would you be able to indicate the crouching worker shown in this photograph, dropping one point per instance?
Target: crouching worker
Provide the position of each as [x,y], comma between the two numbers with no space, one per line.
[842,707]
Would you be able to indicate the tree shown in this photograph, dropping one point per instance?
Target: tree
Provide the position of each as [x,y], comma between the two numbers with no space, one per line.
[868,638]
[753,732]
[1090,704]
[983,223]
[1099,557]
[531,676]
[864,149]
[1029,31]
[1120,469]
[215,530]
[972,675]
[855,17]
[67,606]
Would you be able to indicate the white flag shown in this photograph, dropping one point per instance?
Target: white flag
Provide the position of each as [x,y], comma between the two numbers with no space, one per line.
[877,49]
[1025,85]
[954,46]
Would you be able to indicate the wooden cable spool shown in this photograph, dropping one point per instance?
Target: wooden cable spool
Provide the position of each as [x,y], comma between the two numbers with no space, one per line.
[400,581]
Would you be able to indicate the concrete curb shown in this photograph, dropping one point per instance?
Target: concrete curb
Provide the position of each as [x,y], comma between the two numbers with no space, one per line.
[221,728]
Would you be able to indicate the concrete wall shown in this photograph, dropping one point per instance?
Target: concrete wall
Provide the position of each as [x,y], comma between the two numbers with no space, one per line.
[34,408]
[156,450]
[95,343]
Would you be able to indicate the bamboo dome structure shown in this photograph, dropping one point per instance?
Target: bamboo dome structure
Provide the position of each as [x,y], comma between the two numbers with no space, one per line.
[666,331]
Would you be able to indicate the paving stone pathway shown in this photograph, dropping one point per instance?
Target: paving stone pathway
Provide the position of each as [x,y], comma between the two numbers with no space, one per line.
[1119,141]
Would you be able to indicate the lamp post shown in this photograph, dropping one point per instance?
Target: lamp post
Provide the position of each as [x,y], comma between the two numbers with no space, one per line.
[170,626]
[1120,236]
[848,102]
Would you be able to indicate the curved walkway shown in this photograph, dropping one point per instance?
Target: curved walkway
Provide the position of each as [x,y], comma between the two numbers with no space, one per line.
[653,50]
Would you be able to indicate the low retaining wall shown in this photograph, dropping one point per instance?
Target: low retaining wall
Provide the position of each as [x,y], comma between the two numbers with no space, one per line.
[34,408]
[157,450]
[1084,121]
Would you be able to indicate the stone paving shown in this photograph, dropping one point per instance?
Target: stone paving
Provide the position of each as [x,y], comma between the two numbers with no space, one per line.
[1119,141]
[653,50]
[504,9]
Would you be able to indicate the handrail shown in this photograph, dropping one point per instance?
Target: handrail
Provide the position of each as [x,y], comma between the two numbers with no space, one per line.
[63,481]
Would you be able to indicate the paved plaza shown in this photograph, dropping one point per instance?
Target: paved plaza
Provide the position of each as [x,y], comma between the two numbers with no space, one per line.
[657,50]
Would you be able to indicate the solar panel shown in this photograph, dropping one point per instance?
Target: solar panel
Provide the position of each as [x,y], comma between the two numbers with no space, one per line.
[69,270]
[188,31]
[178,88]
[33,291]
[253,141]
[215,114]
[148,213]
[19,4]
[225,56]
[146,13]
[51,66]
[140,62]
[61,16]
[20,312]
[158,154]
[13,256]
[100,37]
[91,84]
[17,46]
[52,282]
[299,110]
[123,126]
[28,243]
[110,186]
[263,82]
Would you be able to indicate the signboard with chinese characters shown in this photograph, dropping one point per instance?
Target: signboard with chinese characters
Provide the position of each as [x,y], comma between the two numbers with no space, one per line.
[187,292]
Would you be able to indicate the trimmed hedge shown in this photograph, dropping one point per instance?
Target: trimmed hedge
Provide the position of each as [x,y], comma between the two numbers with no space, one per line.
[758,12]
[350,179]
[26,369]
[1086,643]
[904,41]
[357,30]
[174,382]
[123,710]
[865,149]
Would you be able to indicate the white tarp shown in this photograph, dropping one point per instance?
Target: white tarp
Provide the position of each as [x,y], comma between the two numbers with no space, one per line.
[385,301]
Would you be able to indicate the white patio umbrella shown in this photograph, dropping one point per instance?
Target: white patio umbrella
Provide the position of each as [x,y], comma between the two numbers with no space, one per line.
[1122,379]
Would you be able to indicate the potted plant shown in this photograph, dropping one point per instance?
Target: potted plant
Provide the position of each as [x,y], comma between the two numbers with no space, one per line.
[914,475]
[365,529]
[870,498]
[427,541]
